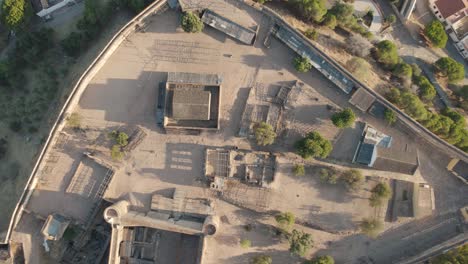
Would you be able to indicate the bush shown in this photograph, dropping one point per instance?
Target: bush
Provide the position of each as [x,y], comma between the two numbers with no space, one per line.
[390,116]
[191,23]
[73,44]
[74,120]
[285,220]
[387,54]
[121,138]
[312,10]
[313,146]
[311,34]
[299,242]
[344,118]
[358,67]
[449,67]
[463,92]
[358,45]
[435,31]
[352,179]
[264,134]
[329,175]
[371,227]
[321,260]
[116,152]
[458,255]
[262,259]
[344,14]
[245,243]
[416,70]
[390,19]
[302,64]
[403,71]
[15,13]
[380,193]
[330,21]
[299,170]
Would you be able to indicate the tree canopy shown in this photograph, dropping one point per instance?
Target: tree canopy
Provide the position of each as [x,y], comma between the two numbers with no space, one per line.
[285,220]
[264,134]
[455,256]
[344,13]
[403,70]
[299,242]
[427,91]
[380,193]
[302,64]
[387,54]
[329,175]
[299,170]
[344,118]
[15,13]
[435,31]
[191,23]
[321,260]
[312,10]
[262,259]
[330,21]
[371,227]
[451,68]
[352,178]
[313,146]
[390,116]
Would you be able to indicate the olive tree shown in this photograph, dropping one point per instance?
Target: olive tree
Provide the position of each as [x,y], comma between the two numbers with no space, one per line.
[435,31]
[313,146]
[264,134]
[299,242]
[302,64]
[344,118]
[191,23]
[387,54]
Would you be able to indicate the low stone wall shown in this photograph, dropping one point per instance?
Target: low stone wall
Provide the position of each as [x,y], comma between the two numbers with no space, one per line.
[73,99]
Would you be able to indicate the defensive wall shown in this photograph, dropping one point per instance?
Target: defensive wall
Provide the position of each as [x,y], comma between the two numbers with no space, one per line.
[136,23]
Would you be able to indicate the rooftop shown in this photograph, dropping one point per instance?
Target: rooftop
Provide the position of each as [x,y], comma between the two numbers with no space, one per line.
[362,99]
[230,28]
[448,8]
[191,104]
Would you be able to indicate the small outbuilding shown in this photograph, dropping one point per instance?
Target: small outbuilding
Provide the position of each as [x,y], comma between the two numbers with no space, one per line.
[54,227]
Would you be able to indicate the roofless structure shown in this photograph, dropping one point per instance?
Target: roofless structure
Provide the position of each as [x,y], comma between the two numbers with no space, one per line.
[192,101]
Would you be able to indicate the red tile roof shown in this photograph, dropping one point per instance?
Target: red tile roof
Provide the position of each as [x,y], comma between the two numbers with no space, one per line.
[449,7]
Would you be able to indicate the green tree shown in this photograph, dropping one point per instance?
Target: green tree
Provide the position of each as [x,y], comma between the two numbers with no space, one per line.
[262,259]
[449,67]
[116,152]
[191,23]
[435,31]
[344,118]
[313,146]
[403,70]
[371,227]
[121,138]
[299,170]
[352,179]
[463,92]
[329,175]
[427,91]
[264,134]
[416,70]
[312,10]
[358,67]
[245,243]
[321,260]
[330,21]
[413,106]
[387,54]
[390,19]
[302,64]
[72,45]
[344,13]
[458,255]
[311,34]
[390,116]
[380,193]
[285,220]
[394,95]
[15,13]
[299,242]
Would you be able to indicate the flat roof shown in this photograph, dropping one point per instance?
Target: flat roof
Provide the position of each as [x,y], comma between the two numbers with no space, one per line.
[194,78]
[461,168]
[229,27]
[449,7]
[362,99]
[365,154]
[191,104]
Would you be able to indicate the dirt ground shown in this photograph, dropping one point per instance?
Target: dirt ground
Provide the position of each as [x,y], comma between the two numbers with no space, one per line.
[124,94]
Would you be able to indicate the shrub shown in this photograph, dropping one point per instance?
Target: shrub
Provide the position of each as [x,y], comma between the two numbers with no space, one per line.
[359,67]
[371,227]
[463,92]
[72,45]
[264,134]
[312,10]
[74,120]
[390,19]
[302,64]
[344,14]
[191,23]
[458,255]
[311,34]
[387,54]
[435,31]
[121,138]
[299,242]
[344,118]
[116,152]
[390,116]
[299,170]
[416,70]
[449,67]
[329,175]
[15,13]
[403,71]
[245,243]
[313,146]
[285,220]
[321,260]
[352,178]
[380,193]
[358,45]
[330,21]
[262,259]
